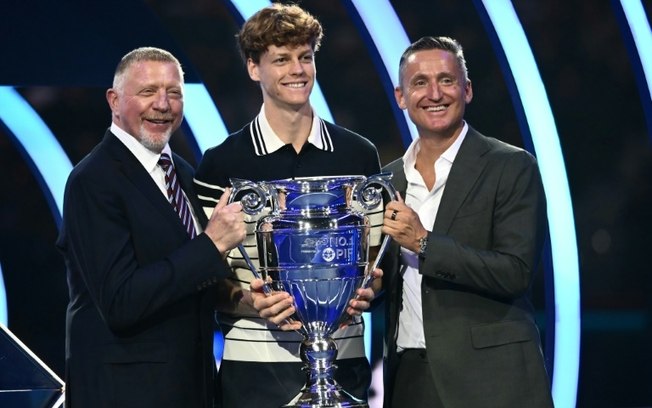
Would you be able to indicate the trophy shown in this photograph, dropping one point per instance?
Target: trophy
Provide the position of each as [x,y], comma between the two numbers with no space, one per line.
[314,244]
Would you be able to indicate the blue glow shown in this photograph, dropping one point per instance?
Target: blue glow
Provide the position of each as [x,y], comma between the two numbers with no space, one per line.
[562,227]
[389,37]
[202,116]
[44,150]
[4,316]
[247,8]
[38,141]
[640,28]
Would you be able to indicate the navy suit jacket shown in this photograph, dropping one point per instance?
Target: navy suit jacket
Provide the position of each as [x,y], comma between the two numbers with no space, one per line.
[139,323]
[481,340]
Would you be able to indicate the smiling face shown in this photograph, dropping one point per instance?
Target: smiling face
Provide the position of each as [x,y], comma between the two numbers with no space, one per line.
[286,75]
[147,102]
[435,93]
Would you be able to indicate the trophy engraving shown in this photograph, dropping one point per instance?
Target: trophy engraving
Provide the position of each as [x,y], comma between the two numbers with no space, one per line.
[315,245]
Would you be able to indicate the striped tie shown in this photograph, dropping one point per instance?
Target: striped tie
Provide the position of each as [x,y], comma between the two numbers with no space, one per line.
[175,195]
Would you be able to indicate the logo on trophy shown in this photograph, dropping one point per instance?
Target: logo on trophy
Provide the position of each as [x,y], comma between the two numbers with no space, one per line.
[314,244]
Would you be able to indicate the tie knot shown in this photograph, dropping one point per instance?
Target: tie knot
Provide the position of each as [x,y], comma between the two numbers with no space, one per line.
[165,161]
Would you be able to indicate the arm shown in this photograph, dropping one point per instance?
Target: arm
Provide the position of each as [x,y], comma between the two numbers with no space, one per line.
[493,249]
[132,262]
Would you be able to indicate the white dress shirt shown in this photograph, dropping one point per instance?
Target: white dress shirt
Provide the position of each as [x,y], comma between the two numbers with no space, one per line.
[426,204]
[149,160]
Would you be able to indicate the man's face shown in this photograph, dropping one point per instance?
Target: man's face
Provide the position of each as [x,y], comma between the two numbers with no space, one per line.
[434,92]
[286,75]
[149,103]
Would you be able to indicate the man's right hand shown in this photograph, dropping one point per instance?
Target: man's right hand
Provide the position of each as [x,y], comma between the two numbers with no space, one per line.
[226,227]
[277,308]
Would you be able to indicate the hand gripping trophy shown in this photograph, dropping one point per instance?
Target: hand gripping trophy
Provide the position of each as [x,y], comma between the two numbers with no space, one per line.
[313,244]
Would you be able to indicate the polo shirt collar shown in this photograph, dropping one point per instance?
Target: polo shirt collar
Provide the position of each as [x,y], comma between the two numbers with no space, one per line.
[266,141]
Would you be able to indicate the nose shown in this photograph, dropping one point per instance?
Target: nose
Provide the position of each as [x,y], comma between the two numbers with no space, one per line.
[434,92]
[297,67]
[162,101]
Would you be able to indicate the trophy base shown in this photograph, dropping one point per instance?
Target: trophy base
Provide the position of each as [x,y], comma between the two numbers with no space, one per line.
[335,398]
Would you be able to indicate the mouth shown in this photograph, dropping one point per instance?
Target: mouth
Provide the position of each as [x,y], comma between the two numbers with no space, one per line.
[437,108]
[159,121]
[296,85]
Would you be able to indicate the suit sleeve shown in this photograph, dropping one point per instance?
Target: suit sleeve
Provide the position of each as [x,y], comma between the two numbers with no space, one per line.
[494,248]
[123,255]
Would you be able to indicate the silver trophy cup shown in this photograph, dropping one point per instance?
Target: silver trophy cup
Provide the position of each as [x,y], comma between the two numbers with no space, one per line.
[314,244]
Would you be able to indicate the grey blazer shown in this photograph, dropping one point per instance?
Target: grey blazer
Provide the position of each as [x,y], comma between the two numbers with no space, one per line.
[482,343]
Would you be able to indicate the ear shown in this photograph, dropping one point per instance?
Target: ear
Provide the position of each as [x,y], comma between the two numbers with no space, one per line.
[252,69]
[400,99]
[468,92]
[112,99]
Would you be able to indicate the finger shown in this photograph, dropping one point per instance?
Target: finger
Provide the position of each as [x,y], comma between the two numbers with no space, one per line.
[346,322]
[224,199]
[290,325]
[280,318]
[358,307]
[272,305]
[257,285]
[366,294]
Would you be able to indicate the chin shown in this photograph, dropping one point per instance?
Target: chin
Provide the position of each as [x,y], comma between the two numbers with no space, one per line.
[155,142]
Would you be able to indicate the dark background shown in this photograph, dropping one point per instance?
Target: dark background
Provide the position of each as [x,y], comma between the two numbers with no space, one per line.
[61,56]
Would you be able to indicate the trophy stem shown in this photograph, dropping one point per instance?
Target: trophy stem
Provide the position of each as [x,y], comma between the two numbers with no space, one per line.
[321,390]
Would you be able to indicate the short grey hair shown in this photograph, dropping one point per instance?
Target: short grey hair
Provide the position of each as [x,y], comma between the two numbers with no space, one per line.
[139,55]
[434,43]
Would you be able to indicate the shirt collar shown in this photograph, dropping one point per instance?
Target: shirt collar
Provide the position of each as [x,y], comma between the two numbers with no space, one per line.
[266,141]
[410,156]
[146,157]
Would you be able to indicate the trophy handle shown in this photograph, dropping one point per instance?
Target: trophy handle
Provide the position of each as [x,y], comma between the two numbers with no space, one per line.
[252,204]
[369,197]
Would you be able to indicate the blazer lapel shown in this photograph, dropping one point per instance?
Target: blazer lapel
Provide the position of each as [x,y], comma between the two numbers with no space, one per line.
[136,173]
[464,173]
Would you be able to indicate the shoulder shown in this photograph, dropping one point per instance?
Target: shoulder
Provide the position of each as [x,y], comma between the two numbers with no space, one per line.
[96,164]
[236,147]
[345,138]
[499,150]
[395,166]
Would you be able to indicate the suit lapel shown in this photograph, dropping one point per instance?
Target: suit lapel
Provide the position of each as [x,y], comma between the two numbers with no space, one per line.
[140,178]
[467,167]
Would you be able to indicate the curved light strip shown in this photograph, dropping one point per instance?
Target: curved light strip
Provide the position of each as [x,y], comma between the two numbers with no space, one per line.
[203,117]
[4,316]
[390,39]
[640,28]
[247,8]
[560,215]
[46,154]
[38,141]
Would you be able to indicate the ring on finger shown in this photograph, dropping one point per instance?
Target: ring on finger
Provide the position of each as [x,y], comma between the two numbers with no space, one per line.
[393,216]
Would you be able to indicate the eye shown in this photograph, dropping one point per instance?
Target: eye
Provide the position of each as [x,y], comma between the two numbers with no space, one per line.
[279,60]
[447,81]
[307,58]
[420,83]
[175,93]
[147,91]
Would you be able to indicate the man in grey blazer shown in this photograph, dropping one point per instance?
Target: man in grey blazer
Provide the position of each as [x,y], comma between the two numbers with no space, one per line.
[467,240]
[139,327]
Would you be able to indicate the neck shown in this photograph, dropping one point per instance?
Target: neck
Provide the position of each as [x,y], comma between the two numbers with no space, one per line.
[291,126]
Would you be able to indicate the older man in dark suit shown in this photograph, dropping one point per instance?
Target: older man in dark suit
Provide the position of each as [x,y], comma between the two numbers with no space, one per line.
[141,255]
[467,241]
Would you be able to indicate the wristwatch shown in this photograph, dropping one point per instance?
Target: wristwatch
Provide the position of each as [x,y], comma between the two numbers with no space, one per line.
[423,244]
